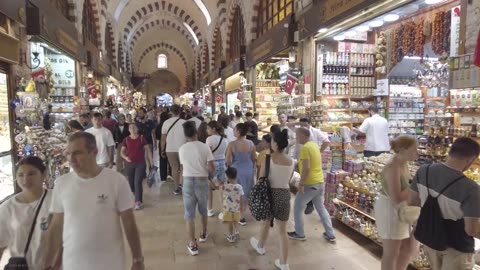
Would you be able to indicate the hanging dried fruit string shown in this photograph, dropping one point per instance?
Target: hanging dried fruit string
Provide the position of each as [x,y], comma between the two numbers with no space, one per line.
[419,39]
[447,21]
[437,35]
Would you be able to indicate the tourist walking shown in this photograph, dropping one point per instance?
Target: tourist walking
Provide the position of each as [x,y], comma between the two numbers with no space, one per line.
[91,209]
[451,199]
[27,213]
[232,197]
[134,150]
[279,175]
[311,187]
[217,142]
[172,138]
[120,132]
[196,169]
[158,134]
[397,239]
[241,155]
[105,142]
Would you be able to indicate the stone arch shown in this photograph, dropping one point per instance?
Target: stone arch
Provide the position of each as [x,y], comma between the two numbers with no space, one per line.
[96,18]
[158,6]
[162,23]
[238,35]
[247,12]
[110,43]
[206,58]
[164,46]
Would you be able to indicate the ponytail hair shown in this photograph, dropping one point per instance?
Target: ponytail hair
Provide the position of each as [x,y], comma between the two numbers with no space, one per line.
[217,127]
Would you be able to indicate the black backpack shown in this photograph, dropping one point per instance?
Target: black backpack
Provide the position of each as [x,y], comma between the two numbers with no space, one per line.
[260,201]
[431,229]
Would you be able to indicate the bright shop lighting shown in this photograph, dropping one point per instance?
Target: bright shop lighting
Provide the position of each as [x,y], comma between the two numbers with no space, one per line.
[339,37]
[322,30]
[391,17]
[350,33]
[376,23]
[362,28]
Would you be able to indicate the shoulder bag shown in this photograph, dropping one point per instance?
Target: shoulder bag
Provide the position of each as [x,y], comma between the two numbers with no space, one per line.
[20,263]
[260,201]
[219,143]
[168,131]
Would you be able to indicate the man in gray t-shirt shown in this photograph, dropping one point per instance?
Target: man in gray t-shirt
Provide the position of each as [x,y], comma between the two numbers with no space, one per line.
[459,203]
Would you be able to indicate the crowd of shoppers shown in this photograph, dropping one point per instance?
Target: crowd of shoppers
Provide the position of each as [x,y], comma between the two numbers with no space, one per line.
[201,156]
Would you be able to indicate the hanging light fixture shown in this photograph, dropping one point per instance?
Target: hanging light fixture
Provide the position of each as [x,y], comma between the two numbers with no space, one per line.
[339,38]
[34,61]
[292,55]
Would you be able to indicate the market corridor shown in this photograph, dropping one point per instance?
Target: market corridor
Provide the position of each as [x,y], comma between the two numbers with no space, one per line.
[162,231]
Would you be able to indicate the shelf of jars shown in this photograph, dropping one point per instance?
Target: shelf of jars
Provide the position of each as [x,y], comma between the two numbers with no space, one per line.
[268,95]
[406,110]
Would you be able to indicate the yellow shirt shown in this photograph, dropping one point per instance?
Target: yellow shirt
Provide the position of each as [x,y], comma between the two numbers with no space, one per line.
[262,156]
[311,151]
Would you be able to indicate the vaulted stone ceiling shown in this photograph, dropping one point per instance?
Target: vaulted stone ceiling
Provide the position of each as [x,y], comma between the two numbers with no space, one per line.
[149,27]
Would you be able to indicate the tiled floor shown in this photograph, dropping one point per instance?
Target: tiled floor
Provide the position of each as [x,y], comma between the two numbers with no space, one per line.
[164,242]
[162,230]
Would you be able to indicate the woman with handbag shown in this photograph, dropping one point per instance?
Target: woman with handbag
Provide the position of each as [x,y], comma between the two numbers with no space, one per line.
[241,155]
[217,142]
[279,173]
[396,235]
[24,217]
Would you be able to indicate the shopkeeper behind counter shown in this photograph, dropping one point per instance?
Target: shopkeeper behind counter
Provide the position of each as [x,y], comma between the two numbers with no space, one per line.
[375,128]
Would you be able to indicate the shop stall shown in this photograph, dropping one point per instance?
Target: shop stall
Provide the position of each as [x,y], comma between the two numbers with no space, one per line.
[163,100]
[216,90]
[234,78]
[272,56]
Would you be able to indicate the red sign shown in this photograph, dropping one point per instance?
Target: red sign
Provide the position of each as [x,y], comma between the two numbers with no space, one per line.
[219,99]
[290,84]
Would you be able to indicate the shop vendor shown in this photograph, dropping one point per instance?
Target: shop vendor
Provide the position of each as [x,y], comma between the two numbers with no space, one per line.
[375,128]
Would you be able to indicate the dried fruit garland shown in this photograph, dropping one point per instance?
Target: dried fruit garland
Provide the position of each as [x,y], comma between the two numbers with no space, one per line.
[447,22]
[408,45]
[419,40]
[437,33]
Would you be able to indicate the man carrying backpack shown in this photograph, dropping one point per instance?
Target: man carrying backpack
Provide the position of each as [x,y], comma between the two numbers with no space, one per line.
[450,215]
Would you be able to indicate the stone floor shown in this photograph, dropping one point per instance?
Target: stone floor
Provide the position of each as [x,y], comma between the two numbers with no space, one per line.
[162,230]
[164,242]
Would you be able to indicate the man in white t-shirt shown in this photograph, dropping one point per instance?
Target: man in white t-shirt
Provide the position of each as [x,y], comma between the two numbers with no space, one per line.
[196,168]
[105,142]
[195,119]
[376,130]
[89,207]
[171,140]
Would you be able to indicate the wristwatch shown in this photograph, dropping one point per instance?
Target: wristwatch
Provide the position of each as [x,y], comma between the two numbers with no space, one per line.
[138,260]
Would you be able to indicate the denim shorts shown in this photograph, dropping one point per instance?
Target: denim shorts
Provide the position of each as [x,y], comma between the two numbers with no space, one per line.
[195,192]
[219,176]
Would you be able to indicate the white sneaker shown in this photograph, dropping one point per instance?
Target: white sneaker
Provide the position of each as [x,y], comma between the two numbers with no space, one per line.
[220,216]
[211,212]
[281,266]
[254,244]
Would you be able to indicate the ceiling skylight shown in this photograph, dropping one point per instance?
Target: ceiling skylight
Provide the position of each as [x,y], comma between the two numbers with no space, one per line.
[204,10]
[191,32]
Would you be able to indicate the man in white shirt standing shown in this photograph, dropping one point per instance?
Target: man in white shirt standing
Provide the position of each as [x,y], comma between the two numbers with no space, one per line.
[171,140]
[105,142]
[89,207]
[195,119]
[376,130]
[196,168]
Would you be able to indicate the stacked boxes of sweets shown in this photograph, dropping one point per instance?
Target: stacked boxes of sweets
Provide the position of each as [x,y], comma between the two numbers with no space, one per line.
[332,179]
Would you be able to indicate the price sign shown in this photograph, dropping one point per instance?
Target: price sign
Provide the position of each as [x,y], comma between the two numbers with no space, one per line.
[63,68]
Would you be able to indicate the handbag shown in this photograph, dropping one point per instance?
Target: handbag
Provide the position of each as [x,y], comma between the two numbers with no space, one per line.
[408,214]
[260,201]
[20,263]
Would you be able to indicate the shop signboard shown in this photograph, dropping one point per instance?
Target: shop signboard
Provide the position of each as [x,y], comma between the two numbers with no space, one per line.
[326,12]
[382,88]
[63,70]
[235,67]
[213,75]
[271,43]
[45,22]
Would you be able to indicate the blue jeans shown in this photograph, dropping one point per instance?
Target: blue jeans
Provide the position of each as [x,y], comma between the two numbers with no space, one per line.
[195,192]
[316,194]
[219,176]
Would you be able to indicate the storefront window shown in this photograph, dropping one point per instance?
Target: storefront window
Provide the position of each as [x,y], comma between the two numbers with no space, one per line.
[271,12]
[237,36]
[6,168]
[88,23]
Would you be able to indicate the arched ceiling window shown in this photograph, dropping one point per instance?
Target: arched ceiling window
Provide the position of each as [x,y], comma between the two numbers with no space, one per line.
[88,23]
[162,61]
[217,49]
[63,7]
[271,12]
[237,36]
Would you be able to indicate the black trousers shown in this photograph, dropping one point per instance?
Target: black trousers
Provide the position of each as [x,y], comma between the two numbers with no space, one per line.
[136,174]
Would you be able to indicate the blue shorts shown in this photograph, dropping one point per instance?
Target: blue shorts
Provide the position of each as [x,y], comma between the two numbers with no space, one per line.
[195,192]
[219,177]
